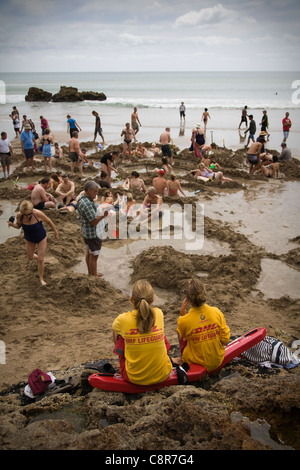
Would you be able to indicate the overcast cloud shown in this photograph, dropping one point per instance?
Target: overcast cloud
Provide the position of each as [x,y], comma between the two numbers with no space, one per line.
[133,35]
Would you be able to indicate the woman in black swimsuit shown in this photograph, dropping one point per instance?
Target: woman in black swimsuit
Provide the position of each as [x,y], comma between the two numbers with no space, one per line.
[31,221]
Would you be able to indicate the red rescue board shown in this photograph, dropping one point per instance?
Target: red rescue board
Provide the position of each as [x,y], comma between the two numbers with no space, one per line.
[115,383]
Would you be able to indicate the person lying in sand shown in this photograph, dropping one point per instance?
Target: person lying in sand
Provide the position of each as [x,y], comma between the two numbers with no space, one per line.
[269,171]
[204,174]
[196,345]
[149,362]
[31,221]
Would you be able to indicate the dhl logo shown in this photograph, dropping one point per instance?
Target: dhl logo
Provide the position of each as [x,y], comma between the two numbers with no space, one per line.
[204,329]
[135,331]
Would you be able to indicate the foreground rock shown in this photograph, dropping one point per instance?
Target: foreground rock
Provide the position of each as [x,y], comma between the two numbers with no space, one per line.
[65,94]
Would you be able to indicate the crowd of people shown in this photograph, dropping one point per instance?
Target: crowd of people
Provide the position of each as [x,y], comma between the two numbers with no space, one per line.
[145,360]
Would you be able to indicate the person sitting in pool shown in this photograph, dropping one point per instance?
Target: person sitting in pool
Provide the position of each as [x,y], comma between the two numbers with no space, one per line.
[135,182]
[173,186]
[202,331]
[108,198]
[160,183]
[151,206]
[165,166]
[140,150]
[140,340]
[127,204]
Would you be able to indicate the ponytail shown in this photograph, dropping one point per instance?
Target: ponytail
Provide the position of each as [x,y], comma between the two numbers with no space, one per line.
[142,297]
[196,293]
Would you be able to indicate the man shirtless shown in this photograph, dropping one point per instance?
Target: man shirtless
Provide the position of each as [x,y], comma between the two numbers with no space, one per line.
[128,134]
[135,122]
[65,191]
[151,205]
[135,182]
[159,183]
[40,198]
[253,155]
[74,153]
[165,140]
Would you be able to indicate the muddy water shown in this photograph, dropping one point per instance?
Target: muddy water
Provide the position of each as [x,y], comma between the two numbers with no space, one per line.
[266,212]
[278,279]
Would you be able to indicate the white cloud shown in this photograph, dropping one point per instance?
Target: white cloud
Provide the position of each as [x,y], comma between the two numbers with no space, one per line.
[133,40]
[215,14]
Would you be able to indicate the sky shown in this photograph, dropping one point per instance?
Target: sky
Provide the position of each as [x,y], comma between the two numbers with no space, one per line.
[139,35]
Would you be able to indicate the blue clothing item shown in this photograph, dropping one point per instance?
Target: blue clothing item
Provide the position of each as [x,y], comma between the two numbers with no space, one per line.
[72,123]
[46,152]
[27,139]
[34,233]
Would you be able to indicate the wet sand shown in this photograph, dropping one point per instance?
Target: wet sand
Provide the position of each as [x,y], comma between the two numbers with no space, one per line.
[251,245]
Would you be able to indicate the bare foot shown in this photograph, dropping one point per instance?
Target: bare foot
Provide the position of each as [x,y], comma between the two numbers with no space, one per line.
[43,282]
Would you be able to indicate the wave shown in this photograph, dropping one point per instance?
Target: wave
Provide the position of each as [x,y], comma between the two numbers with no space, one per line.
[173,103]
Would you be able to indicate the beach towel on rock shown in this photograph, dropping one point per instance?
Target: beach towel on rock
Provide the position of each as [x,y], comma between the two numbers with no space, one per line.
[270,351]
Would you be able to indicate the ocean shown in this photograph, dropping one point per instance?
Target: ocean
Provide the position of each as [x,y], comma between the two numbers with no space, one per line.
[158,95]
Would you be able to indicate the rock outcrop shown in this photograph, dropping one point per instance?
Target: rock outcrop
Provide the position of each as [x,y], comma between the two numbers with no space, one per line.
[37,94]
[67,94]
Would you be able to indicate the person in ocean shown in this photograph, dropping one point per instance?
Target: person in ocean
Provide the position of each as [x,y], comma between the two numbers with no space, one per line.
[31,221]
[202,331]
[140,340]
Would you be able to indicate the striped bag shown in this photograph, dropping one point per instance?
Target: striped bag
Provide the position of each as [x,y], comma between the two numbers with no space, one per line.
[271,350]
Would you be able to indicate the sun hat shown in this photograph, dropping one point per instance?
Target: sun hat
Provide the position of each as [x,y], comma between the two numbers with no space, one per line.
[27,126]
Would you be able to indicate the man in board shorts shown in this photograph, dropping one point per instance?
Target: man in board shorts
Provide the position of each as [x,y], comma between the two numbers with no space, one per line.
[75,154]
[87,211]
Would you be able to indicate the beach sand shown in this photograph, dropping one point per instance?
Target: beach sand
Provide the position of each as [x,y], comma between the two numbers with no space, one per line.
[251,237]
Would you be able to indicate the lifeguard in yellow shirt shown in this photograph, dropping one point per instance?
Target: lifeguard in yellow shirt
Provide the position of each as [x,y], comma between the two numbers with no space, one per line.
[140,340]
[202,332]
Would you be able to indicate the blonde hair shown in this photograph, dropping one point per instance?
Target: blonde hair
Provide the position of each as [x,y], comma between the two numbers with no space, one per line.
[142,297]
[196,292]
[25,207]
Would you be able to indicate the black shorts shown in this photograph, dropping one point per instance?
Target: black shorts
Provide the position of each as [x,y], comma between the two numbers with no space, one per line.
[40,205]
[98,130]
[29,153]
[73,157]
[94,245]
[166,150]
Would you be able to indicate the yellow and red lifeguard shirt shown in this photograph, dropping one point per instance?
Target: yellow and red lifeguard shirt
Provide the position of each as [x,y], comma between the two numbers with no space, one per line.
[146,358]
[206,332]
